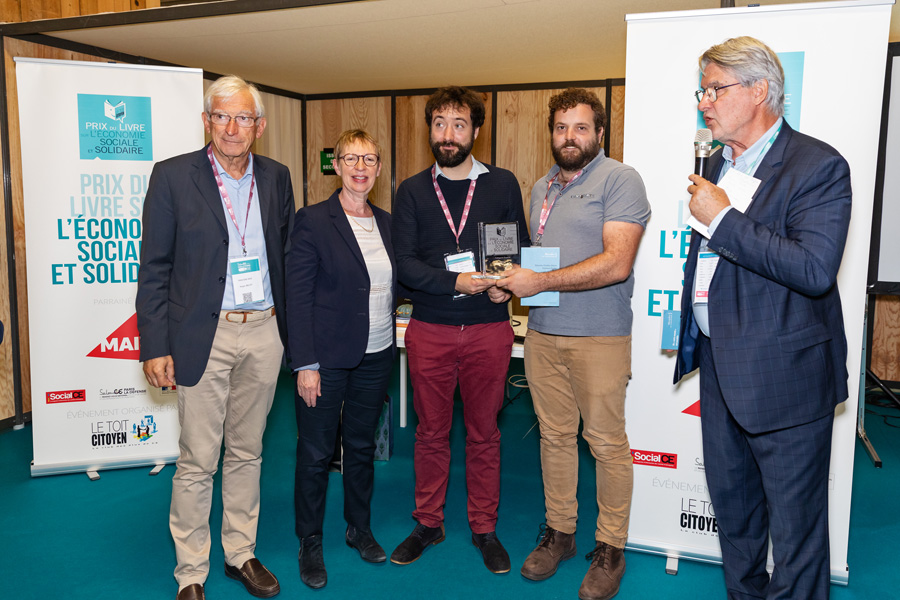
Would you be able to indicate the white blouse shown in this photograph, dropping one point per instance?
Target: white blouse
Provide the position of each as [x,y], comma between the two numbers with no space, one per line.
[381,311]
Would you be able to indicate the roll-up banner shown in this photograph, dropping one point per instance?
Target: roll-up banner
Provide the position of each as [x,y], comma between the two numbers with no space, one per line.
[90,135]
[820,44]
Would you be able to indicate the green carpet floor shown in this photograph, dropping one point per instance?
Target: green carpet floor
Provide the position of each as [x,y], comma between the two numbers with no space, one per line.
[68,537]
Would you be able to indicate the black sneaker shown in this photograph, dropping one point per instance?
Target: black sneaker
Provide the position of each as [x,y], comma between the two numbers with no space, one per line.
[412,547]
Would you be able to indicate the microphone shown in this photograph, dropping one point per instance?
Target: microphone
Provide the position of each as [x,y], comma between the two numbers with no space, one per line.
[702,150]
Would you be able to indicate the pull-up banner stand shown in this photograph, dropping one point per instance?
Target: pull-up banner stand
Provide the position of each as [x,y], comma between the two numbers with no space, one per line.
[820,44]
[91,133]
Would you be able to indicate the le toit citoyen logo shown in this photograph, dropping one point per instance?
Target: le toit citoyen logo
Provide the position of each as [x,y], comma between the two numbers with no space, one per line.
[114,127]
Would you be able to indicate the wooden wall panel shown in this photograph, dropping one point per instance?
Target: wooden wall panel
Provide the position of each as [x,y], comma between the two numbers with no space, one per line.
[886,338]
[282,139]
[325,121]
[49,9]
[615,116]
[413,150]
[90,7]
[69,8]
[14,11]
[13,48]
[10,11]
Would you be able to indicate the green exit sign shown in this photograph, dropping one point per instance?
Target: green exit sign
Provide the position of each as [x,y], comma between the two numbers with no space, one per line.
[325,157]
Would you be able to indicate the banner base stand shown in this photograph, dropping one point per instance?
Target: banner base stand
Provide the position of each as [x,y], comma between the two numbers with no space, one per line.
[93,475]
[671,566]
[155,470]
[39,470]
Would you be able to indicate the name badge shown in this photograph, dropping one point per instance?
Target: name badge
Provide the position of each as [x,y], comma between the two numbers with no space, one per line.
[461,262]
[246,280]
[706,268]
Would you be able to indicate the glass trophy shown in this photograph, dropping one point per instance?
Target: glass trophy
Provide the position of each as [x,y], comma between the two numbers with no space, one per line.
[498,244]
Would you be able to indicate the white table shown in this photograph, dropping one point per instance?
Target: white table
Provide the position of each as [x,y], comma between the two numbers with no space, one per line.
[519,324]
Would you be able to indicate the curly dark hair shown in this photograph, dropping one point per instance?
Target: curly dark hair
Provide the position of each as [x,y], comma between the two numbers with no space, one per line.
[456,97]
[571,98]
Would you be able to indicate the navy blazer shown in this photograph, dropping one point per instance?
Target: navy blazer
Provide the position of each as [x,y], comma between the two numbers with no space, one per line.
[184,257]
[328,286]
[775,319]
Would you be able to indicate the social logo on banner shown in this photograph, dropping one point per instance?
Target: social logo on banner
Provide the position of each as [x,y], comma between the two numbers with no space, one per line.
[654,459]
[145,430]
[123,343]
[65,396]
[115,127]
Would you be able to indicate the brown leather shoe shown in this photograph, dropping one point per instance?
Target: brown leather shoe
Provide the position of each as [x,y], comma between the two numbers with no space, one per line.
[553,548]
[191,592]
[604,574]
[258,580]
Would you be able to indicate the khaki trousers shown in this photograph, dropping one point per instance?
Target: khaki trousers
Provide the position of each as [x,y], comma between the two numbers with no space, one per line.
[231,402]
[573,379]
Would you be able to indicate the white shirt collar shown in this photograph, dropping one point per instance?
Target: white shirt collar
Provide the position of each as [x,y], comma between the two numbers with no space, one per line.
[477,169]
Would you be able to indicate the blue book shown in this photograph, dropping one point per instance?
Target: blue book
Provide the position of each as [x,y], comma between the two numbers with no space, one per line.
[541,260]
[670,328]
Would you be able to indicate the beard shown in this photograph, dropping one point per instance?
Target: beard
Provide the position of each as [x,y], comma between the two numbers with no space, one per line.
[574,161]
[447,159]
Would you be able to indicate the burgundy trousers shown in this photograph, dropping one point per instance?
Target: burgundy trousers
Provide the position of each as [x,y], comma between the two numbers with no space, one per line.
[477,357]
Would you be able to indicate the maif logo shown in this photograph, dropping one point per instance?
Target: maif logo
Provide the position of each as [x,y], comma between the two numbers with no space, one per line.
[115,127]
[65,396]
[123,343]
[655,459]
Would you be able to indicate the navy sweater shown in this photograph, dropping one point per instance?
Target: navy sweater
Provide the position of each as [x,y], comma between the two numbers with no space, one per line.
[422,237]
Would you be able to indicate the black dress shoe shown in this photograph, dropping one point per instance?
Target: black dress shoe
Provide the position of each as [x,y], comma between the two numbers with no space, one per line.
[312,563]
[191,592]
[412,547]
[492,551]
[258,580]
[365,544]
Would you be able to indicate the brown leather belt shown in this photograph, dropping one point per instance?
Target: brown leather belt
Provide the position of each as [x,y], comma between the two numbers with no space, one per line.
[245,316]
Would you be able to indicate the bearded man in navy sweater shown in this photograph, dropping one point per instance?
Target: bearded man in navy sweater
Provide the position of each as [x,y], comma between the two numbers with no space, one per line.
[460,330]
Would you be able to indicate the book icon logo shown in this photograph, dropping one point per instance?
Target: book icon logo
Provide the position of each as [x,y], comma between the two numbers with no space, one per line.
[116,112]
[114,127]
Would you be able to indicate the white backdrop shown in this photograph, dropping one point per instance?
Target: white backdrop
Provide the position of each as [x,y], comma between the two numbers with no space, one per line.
[91,133]
[844,45]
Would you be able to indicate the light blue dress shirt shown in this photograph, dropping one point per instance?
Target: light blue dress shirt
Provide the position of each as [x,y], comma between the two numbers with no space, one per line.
[239,192]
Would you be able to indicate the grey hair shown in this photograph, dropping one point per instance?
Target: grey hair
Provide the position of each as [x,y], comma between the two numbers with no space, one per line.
[750,60]
[225,87]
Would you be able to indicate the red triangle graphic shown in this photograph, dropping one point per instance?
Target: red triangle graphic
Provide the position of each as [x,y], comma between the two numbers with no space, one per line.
[123,343]
[693,409]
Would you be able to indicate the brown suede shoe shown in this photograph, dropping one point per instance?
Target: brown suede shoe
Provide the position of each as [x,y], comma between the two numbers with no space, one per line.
[553,548]
[604,574]
[258,580]
[191,592]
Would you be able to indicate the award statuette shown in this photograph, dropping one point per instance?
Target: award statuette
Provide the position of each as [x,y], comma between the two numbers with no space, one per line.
[499,248]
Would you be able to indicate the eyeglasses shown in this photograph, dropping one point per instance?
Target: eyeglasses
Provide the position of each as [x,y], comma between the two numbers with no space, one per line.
[223,119]
[370,160]
[712,92]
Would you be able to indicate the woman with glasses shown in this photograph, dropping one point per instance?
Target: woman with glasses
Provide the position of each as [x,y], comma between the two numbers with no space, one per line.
[341,284]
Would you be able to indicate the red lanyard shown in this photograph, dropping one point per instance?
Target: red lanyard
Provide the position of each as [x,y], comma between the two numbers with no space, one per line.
[227,200]
[545,208]
[465,214]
